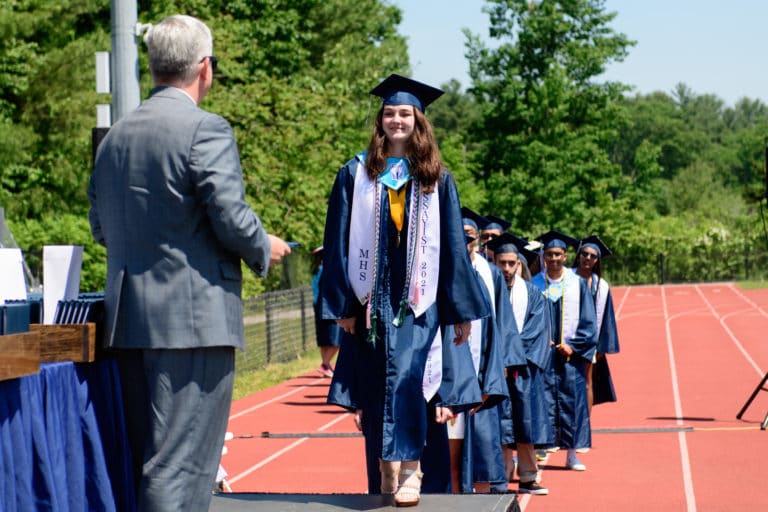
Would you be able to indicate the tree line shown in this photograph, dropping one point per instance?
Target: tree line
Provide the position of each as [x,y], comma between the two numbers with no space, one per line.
[537,138]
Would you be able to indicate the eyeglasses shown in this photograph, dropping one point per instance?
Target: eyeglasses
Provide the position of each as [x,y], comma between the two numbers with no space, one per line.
[213,60]
[488,236]
[588,255]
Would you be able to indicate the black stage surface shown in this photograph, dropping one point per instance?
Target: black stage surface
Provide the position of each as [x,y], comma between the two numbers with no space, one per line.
[251,502]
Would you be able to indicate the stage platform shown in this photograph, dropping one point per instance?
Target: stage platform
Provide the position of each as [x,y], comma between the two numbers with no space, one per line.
[251,502]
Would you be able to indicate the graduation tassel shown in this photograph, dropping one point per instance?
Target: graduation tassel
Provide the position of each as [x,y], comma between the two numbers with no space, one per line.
[372,331]
[370,322]
[400,318]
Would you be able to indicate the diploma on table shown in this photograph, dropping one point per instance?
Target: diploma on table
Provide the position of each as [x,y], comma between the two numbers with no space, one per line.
[61,276]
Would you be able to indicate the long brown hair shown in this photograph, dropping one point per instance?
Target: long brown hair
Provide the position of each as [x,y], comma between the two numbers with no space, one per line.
[425,164]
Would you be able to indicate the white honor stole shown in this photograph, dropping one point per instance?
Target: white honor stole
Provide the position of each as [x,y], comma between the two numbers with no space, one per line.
[571,305]
[518,295]
[601,299]
[423,242]
[483,269]
[570,294]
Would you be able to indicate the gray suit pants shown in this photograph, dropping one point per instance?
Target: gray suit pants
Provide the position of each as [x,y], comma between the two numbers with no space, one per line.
[177,405]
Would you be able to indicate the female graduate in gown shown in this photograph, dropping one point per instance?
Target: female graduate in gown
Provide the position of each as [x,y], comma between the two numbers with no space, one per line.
[573,336]
[589,265]
[396,269]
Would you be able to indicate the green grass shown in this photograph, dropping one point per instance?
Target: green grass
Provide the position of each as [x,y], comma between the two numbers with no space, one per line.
[250,381]
[752,285]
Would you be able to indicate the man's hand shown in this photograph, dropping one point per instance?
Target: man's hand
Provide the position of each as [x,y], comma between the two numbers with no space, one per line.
[462,332]
[277,249]
[443,414]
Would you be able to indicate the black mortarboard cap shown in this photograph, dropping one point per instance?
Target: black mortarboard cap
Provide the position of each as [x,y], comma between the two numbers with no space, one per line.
[469,239]
[598,244]
[507,242]
[479,221]
[400,90]
[557,239]
[502,224]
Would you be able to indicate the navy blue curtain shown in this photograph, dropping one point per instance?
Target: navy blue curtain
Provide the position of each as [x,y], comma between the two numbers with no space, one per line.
[62,441]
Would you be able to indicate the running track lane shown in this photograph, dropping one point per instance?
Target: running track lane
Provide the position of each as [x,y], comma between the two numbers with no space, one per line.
[691,356]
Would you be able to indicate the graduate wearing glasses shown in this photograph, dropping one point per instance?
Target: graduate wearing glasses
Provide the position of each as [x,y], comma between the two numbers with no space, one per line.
[573,339]
[589,265]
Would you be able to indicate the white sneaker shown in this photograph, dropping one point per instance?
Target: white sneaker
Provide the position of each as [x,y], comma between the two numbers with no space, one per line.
[572,462]
[582,450]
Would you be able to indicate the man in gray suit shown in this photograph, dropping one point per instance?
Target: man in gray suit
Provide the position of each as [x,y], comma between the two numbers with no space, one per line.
[168,202]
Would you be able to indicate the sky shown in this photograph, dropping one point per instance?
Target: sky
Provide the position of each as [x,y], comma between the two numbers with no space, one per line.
[713,47]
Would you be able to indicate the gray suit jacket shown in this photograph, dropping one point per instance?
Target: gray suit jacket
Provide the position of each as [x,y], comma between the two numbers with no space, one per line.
[168,202]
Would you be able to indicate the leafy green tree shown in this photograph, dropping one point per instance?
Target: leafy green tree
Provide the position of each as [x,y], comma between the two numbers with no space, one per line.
[293,81]
[547,122]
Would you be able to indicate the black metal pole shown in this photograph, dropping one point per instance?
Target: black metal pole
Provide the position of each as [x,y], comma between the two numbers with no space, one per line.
[752,397]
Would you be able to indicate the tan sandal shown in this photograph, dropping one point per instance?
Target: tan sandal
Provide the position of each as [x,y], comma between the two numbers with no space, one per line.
[389,476]
[409,492]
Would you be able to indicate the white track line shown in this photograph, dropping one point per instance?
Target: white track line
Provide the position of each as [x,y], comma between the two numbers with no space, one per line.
[621,304]
[685,461]
[746,299]
[272,400]
[278,453]
[728,331]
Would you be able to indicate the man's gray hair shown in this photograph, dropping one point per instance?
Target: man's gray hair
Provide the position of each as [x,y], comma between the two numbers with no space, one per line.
[176,46]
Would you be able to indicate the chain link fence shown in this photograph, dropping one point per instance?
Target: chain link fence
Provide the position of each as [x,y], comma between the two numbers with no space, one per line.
[701,266]
[279,327]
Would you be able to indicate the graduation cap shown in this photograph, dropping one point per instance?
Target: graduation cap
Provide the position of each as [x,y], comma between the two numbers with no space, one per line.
[508,243]
[595,243]
[479,221]
[475,219]
[469,239]
[400,90]
[495,222]
[554,238]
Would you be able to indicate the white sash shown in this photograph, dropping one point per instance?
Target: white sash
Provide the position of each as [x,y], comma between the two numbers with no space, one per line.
[518,295]
[601,299]
[433,370]
[483,268]
[423,241]
[362,236]
[571,304]
[475,344]
[569,292]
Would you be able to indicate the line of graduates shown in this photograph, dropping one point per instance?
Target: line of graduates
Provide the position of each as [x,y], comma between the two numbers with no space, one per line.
[546,333]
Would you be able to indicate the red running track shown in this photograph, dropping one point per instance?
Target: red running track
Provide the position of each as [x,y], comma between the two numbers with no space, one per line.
[691,355]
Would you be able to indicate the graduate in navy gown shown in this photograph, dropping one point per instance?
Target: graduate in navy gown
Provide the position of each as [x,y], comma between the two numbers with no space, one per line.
[525,418]
[573,338]
[395,270]
[477,464]
[327,332]
[589,265]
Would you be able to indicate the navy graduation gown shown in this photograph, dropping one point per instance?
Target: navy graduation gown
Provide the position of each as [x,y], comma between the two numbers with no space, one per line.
[524,417]
[607,343]
[607,332]
[385,379]
[566,377]
[482,459]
